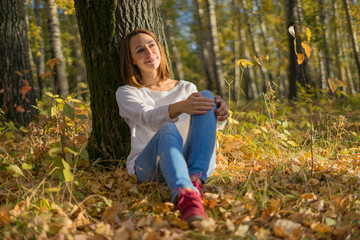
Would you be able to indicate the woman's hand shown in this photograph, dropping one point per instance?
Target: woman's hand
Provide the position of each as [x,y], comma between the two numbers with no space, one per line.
[194,104]
[221,112]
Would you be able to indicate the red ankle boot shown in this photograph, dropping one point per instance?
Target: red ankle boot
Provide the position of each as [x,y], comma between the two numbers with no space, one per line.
[197,184]
[190,206]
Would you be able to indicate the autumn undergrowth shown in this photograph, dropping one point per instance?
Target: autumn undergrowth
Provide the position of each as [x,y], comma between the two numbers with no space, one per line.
[263,186]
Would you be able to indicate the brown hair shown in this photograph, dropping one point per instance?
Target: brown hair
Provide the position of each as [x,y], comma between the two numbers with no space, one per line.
[130,72]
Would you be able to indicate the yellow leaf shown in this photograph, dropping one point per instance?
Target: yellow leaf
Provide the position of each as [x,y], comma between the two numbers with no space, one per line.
[244,63]
[300,57]
[307,48]
[341,83]
[256,131]
[332,85]
[292,143]
[233,121]
[320,227]
[53,189]
[27,166]
[160,207]
[308,34]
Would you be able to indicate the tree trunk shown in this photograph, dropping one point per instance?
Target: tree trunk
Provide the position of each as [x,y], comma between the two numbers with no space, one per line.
[219,79]
[31,59]
[79,65]
[294,69]
[353,38]
[346,61]
[16,83]
[203,50]
[251,81]
[103,25]
[266,37]
[255,45]
[175,50]
[40,53]
[324,48]
[61,79]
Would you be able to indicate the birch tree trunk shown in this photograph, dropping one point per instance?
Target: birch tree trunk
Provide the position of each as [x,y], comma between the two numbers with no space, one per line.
[202,43]
[324,47]
[16,83]
[40,53]
[219,78]
[103,25]
[353,37]
[31,59]
[79,65]
[237,73]
[255,45]
[252,79]
[61,80]
[175,50]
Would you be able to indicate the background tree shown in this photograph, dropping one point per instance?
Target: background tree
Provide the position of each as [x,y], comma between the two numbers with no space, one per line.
[16,83]
[215,56]
[103,25]
[39,52]
[61,84]
[353,36]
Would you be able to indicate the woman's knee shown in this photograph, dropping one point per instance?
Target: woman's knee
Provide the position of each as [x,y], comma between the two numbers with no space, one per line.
[170,130]
[207,94]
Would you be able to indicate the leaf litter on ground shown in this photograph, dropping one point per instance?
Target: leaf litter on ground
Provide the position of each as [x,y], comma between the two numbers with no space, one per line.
[261,189]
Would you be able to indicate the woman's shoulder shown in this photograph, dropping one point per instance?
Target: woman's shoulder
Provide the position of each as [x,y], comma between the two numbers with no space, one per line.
[126,89]
[189,86]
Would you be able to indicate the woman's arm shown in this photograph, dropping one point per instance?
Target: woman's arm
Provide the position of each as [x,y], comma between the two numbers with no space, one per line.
[194,104]
[137,110]
[221,112]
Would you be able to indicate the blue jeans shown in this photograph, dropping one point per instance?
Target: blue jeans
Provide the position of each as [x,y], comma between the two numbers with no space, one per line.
[166,158]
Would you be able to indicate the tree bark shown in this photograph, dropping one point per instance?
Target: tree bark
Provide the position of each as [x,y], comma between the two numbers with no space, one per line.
[323,48]
[219,79]
[353,38]
[103,25]
[31,59]
[294,69]
[40,53]
[255,45]
[16,83]
[175,50]
[202,42]
[61,79]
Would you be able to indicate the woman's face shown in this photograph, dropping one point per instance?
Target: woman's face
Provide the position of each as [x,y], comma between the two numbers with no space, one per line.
[145,53]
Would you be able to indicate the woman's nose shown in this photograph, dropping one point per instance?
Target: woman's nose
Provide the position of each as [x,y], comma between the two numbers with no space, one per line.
[148,52]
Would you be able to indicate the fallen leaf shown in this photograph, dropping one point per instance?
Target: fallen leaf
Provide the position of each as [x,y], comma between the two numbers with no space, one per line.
[160,207]
[206,225]
[242,231]
[230,225]
[321,227]
[286,228]
[178,223]
[81,220]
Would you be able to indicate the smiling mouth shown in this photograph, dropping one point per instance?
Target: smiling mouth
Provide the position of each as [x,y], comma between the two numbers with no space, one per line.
[151,60]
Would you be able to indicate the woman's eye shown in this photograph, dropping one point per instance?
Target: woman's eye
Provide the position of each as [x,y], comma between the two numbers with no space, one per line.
[140,50]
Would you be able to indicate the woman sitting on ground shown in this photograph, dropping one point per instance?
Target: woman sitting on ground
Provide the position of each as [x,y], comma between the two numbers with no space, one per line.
[173,126]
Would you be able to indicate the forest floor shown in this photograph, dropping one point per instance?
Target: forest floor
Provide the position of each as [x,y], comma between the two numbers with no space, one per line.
[271,182]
